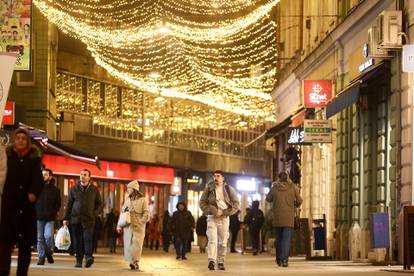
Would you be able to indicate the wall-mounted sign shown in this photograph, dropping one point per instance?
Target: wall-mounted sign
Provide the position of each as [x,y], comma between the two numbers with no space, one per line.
[246,185]
[408,58]
[15,34]
[295,136]
[176,186]
[317,131]
[317,93]
[8,114]
[195,179]
[365,50]
[366,64]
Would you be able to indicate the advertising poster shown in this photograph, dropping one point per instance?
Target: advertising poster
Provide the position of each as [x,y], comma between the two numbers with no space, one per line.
[15,37]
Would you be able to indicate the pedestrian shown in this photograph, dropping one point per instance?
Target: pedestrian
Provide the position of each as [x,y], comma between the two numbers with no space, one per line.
[166,231]
[134,233]
[234,229]
[97,233]
[285,197]
[23,185]
[47,207]
[111,232]
[254,221]
[182,226]
[201,230]
[83,206]
[218,202]
[154,233]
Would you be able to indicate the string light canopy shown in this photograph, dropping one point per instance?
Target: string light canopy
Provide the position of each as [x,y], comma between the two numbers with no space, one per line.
[218,52]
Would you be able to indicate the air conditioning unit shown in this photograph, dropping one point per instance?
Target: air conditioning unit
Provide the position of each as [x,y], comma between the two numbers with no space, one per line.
[390,25]
[373,50]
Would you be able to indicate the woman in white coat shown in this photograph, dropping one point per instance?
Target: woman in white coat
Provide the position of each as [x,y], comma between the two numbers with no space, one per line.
[134,233]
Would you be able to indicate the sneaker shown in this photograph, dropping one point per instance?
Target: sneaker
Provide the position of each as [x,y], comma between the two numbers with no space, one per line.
[211,265]
[89,261]
[41,261]
[134,265]
[221,266]
[78,263]
[50,259]
[285,264]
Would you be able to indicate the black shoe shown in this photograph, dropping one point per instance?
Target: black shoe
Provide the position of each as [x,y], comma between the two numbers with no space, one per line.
[41,261]
[285,263]
[50,259]
[221,266]
[134,265]
[78,263]
[278,262]
[233,251]
[211,265]
[178,257]
[255,253]
[89,261]
[184,258]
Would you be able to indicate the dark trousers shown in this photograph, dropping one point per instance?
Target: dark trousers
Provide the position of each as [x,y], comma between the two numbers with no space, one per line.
[157,244]
[112,244]
[23,260]
[255,238]
[233,240]
[282,243]
[83,241]
[166,242]
[180,247]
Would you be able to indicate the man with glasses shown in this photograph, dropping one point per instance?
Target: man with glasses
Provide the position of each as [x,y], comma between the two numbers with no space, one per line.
[218,201]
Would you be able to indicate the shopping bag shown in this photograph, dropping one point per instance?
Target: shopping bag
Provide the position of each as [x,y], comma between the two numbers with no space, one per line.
[124,219]
[62,240]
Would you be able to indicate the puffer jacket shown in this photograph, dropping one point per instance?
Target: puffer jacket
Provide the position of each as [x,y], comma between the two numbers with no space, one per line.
[285,198]
[208,200]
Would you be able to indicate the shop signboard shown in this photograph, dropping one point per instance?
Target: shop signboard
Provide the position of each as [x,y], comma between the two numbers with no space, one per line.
[15,36]
[408,58]
[316,93]
[295,136]
[8,115]
[317,131]
[7,61]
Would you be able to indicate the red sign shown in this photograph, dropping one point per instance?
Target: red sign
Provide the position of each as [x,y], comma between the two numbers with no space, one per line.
[63,165]
[8,115]
[317,93]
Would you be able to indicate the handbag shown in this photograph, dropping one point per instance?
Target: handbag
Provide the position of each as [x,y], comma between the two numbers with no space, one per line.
[124,219]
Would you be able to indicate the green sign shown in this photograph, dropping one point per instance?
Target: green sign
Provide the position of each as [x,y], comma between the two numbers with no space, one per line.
[317,131]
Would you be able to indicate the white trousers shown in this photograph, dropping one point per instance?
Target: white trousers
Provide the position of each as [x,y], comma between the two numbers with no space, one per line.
[218,235]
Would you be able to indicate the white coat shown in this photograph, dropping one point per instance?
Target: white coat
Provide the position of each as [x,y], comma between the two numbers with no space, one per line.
[134,233]
[3,170]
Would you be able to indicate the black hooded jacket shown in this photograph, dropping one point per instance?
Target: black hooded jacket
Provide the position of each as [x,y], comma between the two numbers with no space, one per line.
[182,223]
[255,217]
[48,204]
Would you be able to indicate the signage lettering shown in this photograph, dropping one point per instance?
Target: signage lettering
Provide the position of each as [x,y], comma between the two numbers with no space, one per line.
[366,64]
[296,136]
[317,93]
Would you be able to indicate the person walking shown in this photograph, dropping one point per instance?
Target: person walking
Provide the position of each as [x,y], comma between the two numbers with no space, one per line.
[134,233]
[255,220]
[166,231]
[234,229]
[285,197]
[111,231]
[201,230]
[182,225]
[154,232]
[47,207]
[23,185]
[83,206]
[218,202]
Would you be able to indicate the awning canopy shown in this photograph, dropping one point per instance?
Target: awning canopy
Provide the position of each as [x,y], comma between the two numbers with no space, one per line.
[351,93]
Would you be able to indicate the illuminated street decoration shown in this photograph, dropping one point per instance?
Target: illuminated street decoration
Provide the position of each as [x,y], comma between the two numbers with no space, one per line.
[220,53]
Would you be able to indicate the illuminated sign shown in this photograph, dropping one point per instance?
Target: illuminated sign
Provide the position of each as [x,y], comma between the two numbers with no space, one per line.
[366,64]
[317,93]
[246,185]
[176,186]
[8,114]
[194,180]
[296,135]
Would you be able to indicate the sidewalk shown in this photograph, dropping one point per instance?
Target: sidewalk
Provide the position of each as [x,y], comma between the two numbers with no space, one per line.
[160,263]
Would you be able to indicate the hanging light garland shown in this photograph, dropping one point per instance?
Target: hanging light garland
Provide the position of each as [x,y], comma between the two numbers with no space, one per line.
[228,63]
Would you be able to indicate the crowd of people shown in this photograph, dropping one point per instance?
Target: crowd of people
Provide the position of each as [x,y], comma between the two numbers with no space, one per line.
[30,203]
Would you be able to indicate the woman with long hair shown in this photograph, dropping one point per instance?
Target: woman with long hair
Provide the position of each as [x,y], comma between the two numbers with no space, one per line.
[134,233]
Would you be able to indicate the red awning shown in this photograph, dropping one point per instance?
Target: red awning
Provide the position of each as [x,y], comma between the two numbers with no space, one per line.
[62,165]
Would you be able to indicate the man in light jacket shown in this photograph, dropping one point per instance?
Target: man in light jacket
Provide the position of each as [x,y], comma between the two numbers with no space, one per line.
[218,202]
[285,198]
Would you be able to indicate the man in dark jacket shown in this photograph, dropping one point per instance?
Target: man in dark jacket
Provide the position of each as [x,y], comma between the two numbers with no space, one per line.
[255,220]
[182,225]
[110,227]
[234,229]
[47,207]
[83,206]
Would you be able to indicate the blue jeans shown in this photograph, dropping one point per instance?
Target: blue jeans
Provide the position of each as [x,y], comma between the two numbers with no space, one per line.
[282,243]
[82,241]
[45,235]
[180,246]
